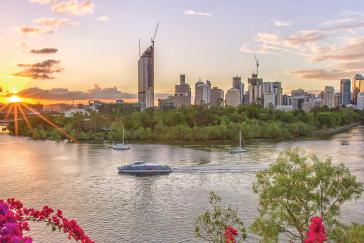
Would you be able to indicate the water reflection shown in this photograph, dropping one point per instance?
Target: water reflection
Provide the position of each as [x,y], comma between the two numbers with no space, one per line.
[82,179]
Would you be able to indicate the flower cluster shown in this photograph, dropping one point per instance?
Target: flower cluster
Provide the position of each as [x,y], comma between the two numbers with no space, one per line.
[316,232]
[14,221]
[230,233]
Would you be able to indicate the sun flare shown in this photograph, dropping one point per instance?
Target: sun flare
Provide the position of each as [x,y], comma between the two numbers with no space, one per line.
[15,99]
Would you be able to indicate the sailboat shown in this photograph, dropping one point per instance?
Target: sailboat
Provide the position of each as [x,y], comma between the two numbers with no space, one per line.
[121,146]
[240,149]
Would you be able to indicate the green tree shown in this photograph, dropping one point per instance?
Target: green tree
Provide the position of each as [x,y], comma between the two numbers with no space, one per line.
[353,233]
[211,225]
[295,188]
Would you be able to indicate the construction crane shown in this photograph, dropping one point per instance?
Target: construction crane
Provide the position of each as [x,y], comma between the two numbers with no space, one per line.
[155,33]
[257,61]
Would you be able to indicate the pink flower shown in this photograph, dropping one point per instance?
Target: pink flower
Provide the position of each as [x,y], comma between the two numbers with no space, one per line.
[316,231]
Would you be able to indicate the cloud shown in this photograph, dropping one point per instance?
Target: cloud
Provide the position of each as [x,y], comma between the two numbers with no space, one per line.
[74,7]
[40,70]
[193,12]
[30,30]
[103,18]
[44,51]
[282,23]
[41,1]
[54,23]
[322,74]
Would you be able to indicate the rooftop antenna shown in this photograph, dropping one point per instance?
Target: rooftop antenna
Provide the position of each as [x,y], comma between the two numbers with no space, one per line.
[257,61]
[155,33]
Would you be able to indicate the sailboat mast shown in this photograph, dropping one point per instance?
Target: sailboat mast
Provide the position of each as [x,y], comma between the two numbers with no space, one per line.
[240,137]
[123,135]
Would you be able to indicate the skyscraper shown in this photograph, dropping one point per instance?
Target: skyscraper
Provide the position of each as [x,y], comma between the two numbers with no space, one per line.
[146,78]
[237,84]
[233,97]
[255,89]
[329,96]
[345,90]
[202,92]
[182,95]
[358,87]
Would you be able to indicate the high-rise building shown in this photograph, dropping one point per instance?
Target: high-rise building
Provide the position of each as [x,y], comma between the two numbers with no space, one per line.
[272,90]
[146,78]
[345,90]
[237,84]
[358,86]
[337,99]
[167,103]
[360,101]
[217,97]
[255,89]
[329,96]
[297,92]
[233,97]
[182,95]
[202,92]
[297,102]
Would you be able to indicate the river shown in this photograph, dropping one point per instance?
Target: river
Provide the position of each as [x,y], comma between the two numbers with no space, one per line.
[82,180]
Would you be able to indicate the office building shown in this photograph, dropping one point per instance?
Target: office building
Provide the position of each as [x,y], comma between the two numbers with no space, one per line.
[255,89]
[233,97]
[237,84]
[182,95]
[358,86]
[202,92]
[360,101]
[329,96]
[345,90]
[146,78]
[217,97]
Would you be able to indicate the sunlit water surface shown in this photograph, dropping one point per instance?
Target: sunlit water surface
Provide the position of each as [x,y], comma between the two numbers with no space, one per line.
[82,180]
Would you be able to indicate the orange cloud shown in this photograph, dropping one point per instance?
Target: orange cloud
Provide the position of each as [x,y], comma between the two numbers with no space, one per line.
[74,7]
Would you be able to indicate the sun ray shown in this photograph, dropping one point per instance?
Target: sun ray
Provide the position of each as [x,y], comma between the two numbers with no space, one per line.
[8,112]
[16,122]
[52,124]
[4,107]
[26,119]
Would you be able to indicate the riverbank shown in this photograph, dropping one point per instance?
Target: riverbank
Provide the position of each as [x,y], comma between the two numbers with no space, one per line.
[335,130]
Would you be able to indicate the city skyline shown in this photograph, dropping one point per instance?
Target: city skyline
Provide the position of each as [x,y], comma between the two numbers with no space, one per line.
[308,50]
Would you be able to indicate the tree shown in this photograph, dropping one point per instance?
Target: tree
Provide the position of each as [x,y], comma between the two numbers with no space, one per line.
[297,187]
[211,225]
[353,233]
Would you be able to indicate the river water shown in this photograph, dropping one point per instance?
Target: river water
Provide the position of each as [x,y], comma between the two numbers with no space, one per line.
[82,180]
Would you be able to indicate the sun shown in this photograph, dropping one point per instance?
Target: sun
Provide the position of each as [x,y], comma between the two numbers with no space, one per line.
[15,99]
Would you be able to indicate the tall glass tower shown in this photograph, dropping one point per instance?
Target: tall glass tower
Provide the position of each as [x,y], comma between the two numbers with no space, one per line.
[146,78]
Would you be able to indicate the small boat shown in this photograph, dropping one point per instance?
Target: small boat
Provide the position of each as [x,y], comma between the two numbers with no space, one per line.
[144,168]
[239,149]
[121,146]
[345,142]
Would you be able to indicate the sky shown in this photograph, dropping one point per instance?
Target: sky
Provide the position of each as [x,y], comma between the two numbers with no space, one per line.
[82,45]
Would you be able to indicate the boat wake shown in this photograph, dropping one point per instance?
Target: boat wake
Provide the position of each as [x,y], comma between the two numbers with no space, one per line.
[219,169]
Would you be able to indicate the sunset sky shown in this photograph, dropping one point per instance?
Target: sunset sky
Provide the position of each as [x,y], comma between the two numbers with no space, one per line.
[76,44]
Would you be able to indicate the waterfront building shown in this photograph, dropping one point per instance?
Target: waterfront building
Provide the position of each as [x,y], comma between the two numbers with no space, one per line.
[360,101]
[237,84]
[329,96]
[146,78]
[297,92]
[182,95]
[202,92]
[217,97]
[358,87]
[272,90]
[233,97]
[345,90]
[255,89]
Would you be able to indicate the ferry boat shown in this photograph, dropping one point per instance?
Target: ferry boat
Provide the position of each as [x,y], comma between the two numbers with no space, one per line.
[144,168]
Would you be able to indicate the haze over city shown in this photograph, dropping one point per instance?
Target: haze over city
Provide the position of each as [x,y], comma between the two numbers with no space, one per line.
[83,43]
